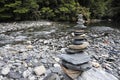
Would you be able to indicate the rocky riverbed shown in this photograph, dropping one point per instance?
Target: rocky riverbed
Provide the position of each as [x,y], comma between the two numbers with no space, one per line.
[28,51]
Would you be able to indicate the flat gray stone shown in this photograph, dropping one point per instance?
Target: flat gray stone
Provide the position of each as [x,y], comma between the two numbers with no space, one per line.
[70,51]
[75,59]
[96,74]
[82,67]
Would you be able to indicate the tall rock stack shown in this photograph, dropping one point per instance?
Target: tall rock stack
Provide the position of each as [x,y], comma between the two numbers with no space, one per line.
[76,61]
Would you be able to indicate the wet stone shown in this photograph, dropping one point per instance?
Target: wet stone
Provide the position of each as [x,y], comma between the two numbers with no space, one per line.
[75,59]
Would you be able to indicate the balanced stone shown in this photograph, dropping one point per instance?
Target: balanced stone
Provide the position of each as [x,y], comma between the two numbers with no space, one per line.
[79,31]
[75,59]
[81,21]
[79,37]
[79,47]
[80,26]
[82,67]
[70,51]
[77,42]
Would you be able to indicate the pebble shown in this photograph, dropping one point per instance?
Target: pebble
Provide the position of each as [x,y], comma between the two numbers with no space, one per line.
[26,73]
[14,75]
[52,76]
[5,70]
[39,70]
[95,64]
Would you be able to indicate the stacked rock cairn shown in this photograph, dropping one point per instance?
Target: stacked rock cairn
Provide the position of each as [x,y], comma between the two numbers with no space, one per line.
[76,61]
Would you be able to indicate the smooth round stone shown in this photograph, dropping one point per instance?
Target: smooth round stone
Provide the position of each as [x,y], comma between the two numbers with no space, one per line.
[79,47]
[82,67]
[70,51]
[77,33]
[80,26]
[39,70]
[77,42]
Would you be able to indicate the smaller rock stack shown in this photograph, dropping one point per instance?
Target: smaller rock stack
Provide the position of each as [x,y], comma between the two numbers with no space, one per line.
[75,61]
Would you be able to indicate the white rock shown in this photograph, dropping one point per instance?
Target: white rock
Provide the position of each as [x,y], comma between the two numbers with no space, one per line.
[56,65]
[26,73]
[29,47]
[57,59]
[39,70]
[5,70]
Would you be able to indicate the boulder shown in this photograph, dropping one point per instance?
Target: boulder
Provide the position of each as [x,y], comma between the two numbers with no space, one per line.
[96,74]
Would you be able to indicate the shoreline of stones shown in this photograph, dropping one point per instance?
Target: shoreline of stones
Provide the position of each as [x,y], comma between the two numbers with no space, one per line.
[24,52]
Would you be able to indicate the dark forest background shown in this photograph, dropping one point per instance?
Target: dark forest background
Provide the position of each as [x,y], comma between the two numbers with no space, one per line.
[59,10]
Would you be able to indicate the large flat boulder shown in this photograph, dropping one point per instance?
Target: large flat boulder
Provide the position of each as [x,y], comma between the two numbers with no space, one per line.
[96,74]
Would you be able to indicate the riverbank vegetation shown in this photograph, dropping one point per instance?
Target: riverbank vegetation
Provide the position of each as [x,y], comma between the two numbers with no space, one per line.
[59,10]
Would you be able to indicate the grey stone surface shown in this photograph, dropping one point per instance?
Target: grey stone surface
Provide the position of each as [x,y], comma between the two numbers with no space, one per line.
[96,74]
[82,67]
[14,75]
[75,59]
[70,51]
[52,76]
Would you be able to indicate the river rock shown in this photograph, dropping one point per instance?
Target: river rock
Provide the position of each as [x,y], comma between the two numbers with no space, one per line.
[75,59]
[70,51]
[71,73]
[96,74]
[82,31]
[77,33]
[79,47]
[5,70]
[14,75]
[39,70]
[80,26]
[82,67]
[78,41]
[52,76]
[26,73]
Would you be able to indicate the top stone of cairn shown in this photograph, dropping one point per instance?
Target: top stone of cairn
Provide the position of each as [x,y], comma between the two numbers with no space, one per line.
[80,22]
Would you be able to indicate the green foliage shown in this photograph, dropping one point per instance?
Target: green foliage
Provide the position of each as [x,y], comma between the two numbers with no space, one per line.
[64,10]
[47,13]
